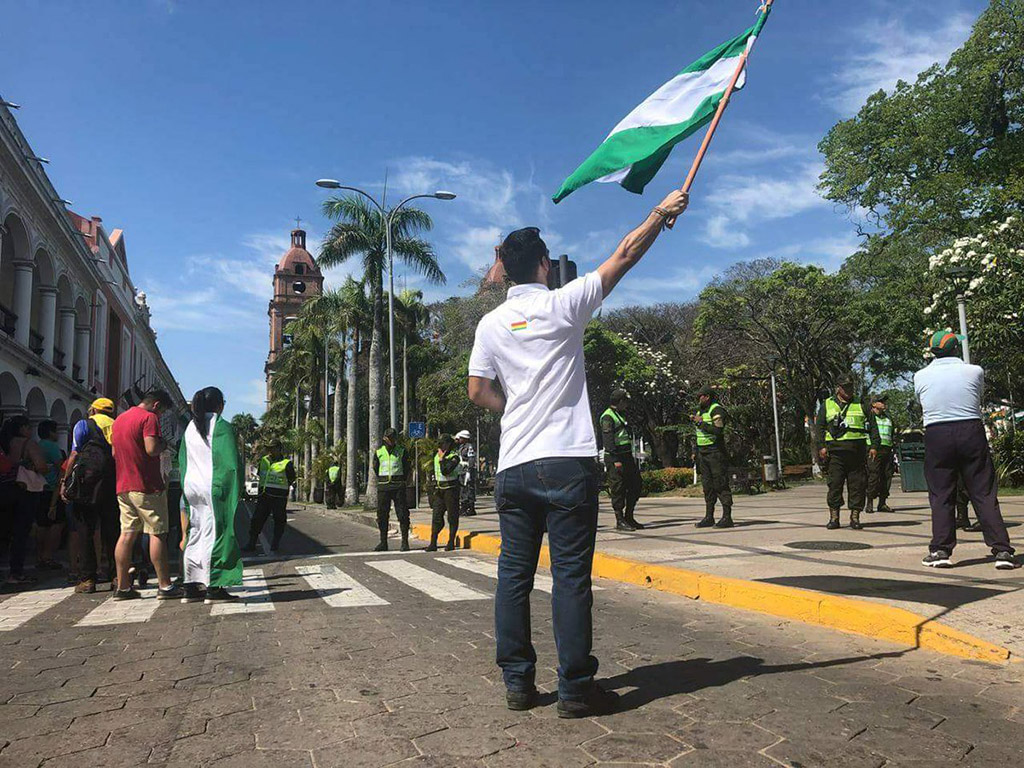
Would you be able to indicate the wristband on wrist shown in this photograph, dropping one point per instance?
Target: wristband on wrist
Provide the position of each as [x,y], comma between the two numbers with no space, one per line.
[661,211]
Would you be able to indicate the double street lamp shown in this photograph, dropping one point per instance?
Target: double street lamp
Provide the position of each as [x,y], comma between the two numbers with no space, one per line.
[387,219]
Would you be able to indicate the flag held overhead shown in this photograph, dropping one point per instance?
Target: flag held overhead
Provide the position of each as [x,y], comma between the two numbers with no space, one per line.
[640,144]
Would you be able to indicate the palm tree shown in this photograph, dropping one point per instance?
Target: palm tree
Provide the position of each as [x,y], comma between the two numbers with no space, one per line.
[358,231]
[343,312]
[413,315]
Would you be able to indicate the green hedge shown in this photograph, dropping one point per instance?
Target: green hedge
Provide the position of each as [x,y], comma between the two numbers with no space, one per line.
[661,480]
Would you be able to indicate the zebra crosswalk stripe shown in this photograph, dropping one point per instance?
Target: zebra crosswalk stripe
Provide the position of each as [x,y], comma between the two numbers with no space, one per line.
[337,588]
[253,596]
[489,568]
[114,612]
[429,583]
[18,609]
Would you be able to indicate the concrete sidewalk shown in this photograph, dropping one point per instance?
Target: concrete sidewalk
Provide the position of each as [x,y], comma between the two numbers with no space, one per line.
[780,539]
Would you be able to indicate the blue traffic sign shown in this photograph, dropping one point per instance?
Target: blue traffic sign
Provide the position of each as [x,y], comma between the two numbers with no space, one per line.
[417,429]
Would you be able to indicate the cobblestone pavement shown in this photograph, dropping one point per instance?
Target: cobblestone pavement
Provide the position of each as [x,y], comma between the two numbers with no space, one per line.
[356,660]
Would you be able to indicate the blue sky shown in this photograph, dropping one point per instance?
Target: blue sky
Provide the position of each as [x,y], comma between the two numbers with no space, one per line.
[199,128]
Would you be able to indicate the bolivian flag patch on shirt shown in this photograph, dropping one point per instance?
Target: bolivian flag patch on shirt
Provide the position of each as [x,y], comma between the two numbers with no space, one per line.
[519,326]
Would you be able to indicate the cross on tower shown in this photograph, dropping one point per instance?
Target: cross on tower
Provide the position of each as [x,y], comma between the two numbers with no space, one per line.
[298,223]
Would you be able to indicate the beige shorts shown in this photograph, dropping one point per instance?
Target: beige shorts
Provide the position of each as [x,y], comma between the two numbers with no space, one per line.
[146,512]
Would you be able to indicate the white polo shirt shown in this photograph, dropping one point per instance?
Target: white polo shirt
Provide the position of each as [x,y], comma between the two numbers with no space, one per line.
[950,390]
[533,345]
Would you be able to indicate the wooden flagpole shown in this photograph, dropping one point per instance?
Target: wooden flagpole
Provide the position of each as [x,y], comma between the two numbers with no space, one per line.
[765,8]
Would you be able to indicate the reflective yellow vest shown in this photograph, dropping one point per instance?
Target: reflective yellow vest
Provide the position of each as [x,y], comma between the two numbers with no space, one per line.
[333,472]
[445,481]
[855,421]
[884,424]
[274,474]
[623,438]
[705,438]
[390,469]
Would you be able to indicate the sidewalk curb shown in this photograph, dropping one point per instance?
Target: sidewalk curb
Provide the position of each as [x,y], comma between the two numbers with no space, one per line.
[860,617]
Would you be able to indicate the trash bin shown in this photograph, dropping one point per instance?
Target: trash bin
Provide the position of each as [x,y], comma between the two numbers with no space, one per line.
[911,454]
[771,470]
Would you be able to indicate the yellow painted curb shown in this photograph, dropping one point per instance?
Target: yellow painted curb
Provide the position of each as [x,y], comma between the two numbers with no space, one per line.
[860,617]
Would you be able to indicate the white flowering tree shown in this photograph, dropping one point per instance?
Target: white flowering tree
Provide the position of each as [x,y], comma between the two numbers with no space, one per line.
[987,269]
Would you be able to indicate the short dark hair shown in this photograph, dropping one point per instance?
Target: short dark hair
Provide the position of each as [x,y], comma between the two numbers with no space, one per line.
[446,442]
[390,433]
[158,396]
[46,428]
[521,252]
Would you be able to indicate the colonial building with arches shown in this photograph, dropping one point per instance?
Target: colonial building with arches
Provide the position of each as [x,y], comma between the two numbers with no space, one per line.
[73,327]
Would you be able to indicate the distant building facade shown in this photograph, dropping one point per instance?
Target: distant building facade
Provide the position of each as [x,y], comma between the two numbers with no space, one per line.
[297,279]
[73,326]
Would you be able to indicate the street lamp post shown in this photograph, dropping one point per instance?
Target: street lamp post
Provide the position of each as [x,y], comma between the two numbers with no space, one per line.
[775,413]
[961,277]
[387,218]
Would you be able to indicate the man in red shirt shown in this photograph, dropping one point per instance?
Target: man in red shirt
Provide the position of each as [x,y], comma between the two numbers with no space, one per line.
[141,496]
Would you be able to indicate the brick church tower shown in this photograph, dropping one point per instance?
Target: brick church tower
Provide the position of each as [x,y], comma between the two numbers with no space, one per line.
[297,279]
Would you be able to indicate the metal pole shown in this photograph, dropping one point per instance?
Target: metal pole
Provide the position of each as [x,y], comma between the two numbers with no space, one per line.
[327,434]
[778,441]
[391,321]
[961,306]
[416,472]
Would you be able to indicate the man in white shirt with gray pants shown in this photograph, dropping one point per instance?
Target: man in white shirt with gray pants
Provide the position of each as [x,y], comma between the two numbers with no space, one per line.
[955,446]
[527,365]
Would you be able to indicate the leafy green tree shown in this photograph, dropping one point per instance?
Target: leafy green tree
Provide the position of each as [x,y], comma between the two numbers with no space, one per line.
[358,232]
[934,157]
[246,430]
[795,316]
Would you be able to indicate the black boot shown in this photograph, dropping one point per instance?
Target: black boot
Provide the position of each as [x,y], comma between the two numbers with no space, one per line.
[453,538]
[870,508]
[383,546]
[405,538]
[432,546]
[631,519]
[708,521]
[884,507]
[726,521]
[855,523]
[963,522]
[833,519]
[621,524]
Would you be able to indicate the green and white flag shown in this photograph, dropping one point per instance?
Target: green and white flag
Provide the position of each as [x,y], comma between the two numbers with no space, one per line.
[211,476]
[639,145]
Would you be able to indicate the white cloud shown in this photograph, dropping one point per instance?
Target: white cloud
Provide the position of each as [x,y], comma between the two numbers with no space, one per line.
[679,284]
[474,246]
[828,252]
[749,199]
[891,50]
[253,397]
[209,309]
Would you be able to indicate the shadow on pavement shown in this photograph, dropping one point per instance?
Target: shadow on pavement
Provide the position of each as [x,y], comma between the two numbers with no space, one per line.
[869,523]
[672,678]
[933,593]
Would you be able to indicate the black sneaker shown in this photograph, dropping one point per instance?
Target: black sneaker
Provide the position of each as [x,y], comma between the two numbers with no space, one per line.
[219,595]
[638,526]
[431,547]
[192,593]
[707,522]
[937,559]
[450,546]
[126,594]
[725,522]
[885,508]
[974,528]
[520,701]
[1005,561]
[623,525]
[597,702]
[170,593]
[382,547]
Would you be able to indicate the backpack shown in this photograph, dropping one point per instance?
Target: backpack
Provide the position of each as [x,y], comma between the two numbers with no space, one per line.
[93,466]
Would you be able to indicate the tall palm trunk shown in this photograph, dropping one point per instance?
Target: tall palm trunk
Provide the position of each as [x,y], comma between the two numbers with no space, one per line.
[351,426]
[307,464]
[405,383]
[339,373]
[375,385]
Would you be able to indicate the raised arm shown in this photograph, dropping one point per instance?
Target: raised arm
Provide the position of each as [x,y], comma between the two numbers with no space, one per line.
[636,243]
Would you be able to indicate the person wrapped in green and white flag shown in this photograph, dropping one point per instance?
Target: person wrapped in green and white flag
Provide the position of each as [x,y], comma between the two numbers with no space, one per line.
[640,144]
[211,477]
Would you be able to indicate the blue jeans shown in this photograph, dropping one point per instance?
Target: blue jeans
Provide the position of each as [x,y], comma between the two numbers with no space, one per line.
[558,495]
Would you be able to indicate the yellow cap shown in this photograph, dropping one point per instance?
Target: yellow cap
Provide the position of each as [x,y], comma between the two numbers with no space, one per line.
[103,404]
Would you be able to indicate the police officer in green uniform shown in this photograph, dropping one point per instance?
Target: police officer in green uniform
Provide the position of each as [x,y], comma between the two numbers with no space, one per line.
[446,493]
[620,466]
[713,459]
[881,468]
[391,465]
[851,438]
[276,476]
[332,488]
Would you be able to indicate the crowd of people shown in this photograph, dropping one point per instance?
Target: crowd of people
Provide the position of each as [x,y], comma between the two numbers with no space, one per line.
[116,500]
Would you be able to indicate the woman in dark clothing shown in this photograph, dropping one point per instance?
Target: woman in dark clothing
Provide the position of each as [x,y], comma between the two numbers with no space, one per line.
[17,443]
